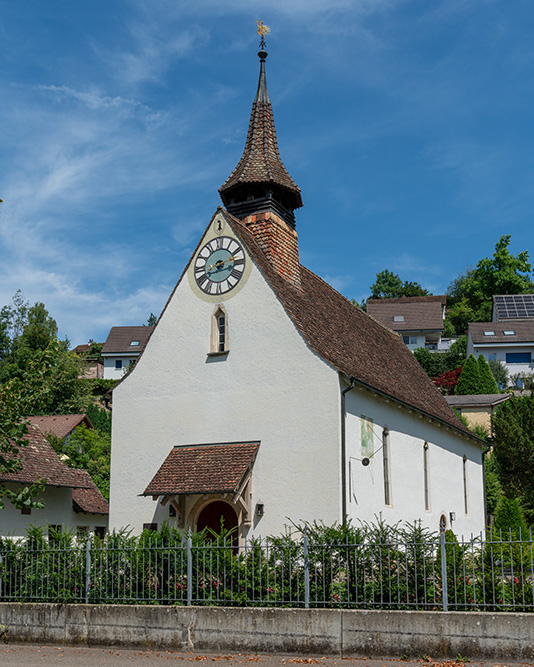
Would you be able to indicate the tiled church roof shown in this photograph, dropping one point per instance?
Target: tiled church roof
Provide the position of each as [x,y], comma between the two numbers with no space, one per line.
[350,340]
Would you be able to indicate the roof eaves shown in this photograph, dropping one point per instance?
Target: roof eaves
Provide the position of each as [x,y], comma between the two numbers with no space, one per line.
[413,408]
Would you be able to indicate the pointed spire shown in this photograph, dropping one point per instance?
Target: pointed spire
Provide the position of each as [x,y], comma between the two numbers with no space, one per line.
[260,181]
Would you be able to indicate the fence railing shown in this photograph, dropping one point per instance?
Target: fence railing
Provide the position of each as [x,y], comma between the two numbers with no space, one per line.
[493,574]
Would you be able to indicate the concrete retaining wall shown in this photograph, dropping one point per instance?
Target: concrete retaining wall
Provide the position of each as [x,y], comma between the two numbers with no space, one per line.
[311,631]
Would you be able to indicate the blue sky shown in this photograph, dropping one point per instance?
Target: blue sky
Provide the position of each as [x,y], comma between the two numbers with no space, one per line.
[407,125]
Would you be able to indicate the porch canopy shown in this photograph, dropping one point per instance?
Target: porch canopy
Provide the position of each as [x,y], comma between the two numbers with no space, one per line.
[199,469]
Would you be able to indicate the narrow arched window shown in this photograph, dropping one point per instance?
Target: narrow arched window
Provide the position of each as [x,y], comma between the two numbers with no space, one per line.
[219,331]
[387,471]
[464,469]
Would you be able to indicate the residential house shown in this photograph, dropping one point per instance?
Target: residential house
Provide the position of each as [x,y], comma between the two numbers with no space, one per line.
[419,320]
[122,348]
[477,408]
[263,395]
[72,500]
[92,366]
[62,426]
[510,341]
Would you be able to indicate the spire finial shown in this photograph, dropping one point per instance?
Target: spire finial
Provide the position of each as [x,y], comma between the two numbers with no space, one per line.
[262,31]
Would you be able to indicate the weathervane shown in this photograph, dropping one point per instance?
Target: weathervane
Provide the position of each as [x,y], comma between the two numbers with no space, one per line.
[262,31]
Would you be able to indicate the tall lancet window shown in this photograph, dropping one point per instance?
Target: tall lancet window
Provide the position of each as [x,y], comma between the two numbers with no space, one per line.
[219,331]
[387,469]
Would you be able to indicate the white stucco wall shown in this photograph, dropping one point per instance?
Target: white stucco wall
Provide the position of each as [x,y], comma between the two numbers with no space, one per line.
[408,433]
[112,373]
[500,351]
[57,511]
[270,387]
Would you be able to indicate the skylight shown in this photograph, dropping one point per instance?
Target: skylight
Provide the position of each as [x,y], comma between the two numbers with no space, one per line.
[398,318]
[489,333]
[509,333]
[134,343]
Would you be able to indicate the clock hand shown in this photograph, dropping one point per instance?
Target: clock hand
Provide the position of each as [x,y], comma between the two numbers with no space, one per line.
[221,262]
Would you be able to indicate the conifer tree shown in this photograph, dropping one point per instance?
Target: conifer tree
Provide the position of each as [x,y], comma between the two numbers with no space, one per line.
[489,386]
[509,516]
[470,381]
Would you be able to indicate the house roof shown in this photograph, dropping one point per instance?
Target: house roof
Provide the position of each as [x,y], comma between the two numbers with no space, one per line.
[60,425]
[513,307]
[476,400]
[261,161]
[119,340]
[523,332]
[210,468]
[40,461]
[86,498]
[423,313]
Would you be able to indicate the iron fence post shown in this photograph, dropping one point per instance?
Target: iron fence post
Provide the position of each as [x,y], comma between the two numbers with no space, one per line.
[189,569]
[87,569]
[305,546]
[445,596]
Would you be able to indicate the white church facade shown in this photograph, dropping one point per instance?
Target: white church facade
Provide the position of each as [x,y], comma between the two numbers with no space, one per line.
[264,396]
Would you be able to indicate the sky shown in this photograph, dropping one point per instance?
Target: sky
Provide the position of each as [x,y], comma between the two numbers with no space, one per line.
[407,124]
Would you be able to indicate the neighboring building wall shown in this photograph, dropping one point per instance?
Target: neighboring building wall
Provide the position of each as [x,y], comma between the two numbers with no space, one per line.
[413,340]
[477,416]
[269,387]
[57,511]
[111,372]
[499,353]
[408,433]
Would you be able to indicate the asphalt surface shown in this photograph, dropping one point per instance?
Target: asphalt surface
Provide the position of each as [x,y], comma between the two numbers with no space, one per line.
[26,655]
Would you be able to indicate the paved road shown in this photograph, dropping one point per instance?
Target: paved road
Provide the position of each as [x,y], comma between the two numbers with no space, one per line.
[24,655]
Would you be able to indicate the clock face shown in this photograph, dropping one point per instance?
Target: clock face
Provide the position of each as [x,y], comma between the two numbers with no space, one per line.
[219,265]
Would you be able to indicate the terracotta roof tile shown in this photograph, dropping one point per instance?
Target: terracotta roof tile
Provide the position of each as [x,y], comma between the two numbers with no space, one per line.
[120,338]
[420,313]
[87,498]
[60,425]
[203,469]
[261,161]
[39,460]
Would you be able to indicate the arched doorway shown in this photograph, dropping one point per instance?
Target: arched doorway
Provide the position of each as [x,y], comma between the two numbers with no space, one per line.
[215,513]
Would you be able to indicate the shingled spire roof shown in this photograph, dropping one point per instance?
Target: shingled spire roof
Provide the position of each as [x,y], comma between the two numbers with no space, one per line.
[260,180]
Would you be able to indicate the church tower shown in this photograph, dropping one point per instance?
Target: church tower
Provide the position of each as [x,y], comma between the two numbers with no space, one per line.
[260,192]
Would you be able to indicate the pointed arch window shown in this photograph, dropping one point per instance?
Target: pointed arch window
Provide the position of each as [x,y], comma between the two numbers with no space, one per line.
[219,331]
[426,477]
[387,469]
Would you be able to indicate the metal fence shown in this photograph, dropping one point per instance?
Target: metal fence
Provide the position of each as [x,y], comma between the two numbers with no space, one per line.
[493,574]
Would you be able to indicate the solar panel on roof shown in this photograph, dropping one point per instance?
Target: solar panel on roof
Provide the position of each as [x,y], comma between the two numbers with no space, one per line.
[514,306]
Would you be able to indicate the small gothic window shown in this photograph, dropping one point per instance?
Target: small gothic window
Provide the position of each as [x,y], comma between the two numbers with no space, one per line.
[442,523]
[464,468]
[219,331]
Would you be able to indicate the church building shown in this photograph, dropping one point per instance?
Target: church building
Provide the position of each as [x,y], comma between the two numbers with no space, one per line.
[263,396]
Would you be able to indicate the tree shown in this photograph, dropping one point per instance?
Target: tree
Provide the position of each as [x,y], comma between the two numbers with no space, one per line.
[513,449]
[469,296]
[489,386]
[89,449]
[388,285]
[499,372]
[152,319]
[18,398]
[448,380]
[470,380]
